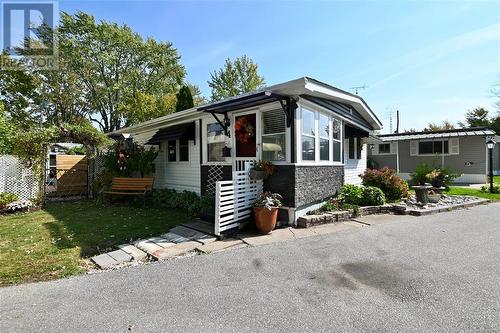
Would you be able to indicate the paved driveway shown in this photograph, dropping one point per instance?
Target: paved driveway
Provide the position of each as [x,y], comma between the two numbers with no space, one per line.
[437,273]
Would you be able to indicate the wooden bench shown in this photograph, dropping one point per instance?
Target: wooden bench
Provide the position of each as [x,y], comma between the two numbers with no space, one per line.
[131,186]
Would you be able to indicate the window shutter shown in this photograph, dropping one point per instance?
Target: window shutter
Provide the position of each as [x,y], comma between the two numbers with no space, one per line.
[273,122]
[393,147]
[375,150]
[413,148]
[454,146]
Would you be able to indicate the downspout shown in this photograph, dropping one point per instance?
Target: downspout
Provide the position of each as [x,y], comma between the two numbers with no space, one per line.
[397,157]
[442,153]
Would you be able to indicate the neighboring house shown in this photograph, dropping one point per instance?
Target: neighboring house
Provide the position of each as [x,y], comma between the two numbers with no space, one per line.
[462,150]
[313,132]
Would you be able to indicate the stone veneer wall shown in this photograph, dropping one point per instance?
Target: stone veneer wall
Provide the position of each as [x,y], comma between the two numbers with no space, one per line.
[316,183]
[303,185]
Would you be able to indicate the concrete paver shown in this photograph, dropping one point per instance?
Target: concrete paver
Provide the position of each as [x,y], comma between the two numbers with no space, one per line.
[174,251]
[219,245]
[104,261]
[120,256]
[133,251]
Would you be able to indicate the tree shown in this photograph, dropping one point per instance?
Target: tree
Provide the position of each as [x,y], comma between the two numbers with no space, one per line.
[7,130]
[184,99]
[433,127]
[477,117]
[198,98]
[237,77]
[116,65]
[143,107]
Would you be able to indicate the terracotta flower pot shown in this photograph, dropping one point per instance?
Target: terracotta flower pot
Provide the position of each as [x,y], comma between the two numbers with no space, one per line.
[265,219]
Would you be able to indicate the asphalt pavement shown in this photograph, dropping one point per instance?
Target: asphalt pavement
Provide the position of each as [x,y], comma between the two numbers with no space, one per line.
[438,273]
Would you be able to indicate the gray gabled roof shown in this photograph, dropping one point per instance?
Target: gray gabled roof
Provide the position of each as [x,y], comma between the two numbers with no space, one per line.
[473,131]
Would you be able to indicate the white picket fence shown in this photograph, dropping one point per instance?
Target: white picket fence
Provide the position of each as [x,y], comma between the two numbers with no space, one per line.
[234,199]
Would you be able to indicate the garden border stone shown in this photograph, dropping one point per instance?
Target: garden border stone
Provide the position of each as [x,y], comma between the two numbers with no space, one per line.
[399,209]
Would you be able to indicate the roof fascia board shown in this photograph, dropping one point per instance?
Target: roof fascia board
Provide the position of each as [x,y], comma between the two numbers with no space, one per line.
[315,87]
[306,103]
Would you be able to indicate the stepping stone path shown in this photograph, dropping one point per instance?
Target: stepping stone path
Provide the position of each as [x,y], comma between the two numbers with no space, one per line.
[178,241]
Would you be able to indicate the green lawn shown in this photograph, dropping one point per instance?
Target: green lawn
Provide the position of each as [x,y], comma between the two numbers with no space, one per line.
[472,192]
[496,179]
[53,243]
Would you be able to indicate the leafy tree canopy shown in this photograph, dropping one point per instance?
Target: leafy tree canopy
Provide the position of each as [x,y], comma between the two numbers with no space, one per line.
[446,125]
[236,77]
[198,98]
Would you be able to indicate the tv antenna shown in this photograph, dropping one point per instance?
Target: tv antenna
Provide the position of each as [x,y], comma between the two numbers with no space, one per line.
[355,89]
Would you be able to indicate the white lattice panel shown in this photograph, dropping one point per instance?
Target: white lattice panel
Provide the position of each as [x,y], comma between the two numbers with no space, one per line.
[16,178]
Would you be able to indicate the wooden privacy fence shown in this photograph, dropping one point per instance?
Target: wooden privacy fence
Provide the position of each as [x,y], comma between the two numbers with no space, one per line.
[234,199]
[71,175]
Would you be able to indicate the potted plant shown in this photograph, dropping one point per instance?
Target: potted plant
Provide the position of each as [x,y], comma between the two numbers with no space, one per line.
[261,170]
[265,209]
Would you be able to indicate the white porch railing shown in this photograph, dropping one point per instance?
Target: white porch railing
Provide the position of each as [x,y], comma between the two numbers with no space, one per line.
[234,199]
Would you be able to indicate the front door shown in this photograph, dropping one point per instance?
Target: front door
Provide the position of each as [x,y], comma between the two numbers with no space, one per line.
[245,140]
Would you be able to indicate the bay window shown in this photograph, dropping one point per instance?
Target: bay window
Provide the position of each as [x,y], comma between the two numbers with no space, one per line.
[308,135]
[274,135]
[321,137]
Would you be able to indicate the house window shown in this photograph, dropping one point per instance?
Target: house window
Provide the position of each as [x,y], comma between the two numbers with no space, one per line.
[308,136]
[274,135]
[324,138]
[172,150]
[384,148]
[433,147]
[215,142]
[183,150]
[336,142]
[324,130]
[352,154]
[355,147]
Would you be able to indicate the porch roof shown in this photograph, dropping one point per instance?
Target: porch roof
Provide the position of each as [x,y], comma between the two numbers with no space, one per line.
[240,102]
[182,131]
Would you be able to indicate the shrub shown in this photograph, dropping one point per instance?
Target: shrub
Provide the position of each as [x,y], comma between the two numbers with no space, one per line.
[419,176]
[393,186]
[350,194]
[6,198]
[18,206]
[486,188]
[372,196]
[437,177]
[188,201]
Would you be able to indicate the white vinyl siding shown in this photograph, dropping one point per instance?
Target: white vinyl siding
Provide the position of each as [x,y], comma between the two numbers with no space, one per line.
[354,167]
[180,176]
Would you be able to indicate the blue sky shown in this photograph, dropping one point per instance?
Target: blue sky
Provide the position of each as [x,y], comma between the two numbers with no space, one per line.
[431,60]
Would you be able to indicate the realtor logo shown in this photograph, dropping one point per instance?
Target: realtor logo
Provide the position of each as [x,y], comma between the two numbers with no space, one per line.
[27,32]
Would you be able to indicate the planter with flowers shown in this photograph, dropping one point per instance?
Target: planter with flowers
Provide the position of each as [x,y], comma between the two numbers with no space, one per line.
[261,170]
[266,209]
